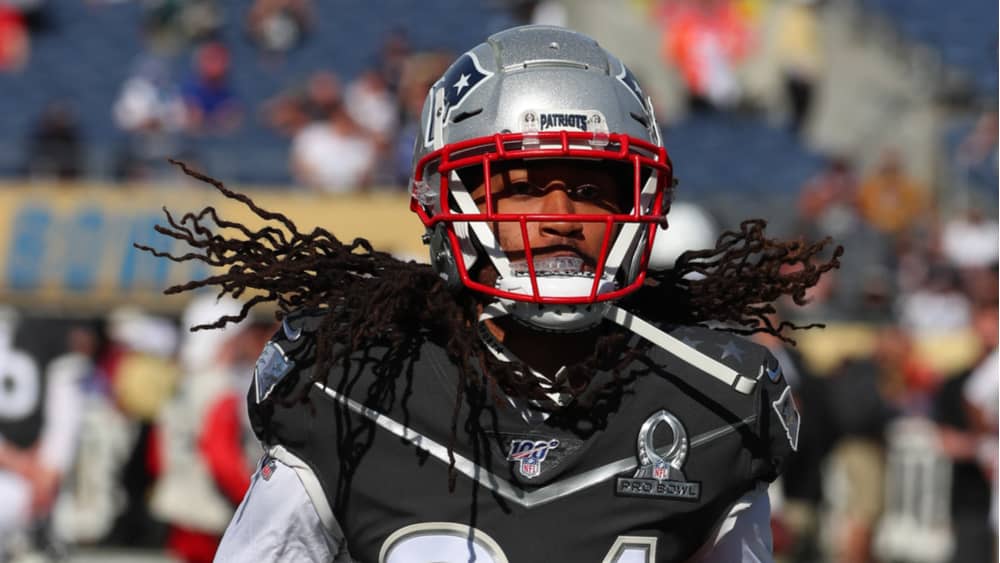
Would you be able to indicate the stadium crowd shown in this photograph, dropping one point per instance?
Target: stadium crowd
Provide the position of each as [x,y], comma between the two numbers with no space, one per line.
[129,431]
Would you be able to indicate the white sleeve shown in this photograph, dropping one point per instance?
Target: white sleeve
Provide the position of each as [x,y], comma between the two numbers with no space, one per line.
[63,411]
[277,521]
[980,389]
[745,533]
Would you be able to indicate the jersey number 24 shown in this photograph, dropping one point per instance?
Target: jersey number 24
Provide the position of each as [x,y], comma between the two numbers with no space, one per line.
[448,542]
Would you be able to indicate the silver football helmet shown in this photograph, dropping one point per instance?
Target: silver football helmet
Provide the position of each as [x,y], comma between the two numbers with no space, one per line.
[538,92]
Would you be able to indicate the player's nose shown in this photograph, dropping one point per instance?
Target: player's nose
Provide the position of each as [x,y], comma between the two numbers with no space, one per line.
[556,201]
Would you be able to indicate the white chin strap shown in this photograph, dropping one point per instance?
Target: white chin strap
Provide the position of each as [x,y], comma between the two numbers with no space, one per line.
[566,318]
[561,318]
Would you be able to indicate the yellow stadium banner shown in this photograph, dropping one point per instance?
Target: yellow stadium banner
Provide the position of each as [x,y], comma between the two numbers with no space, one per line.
[69,247]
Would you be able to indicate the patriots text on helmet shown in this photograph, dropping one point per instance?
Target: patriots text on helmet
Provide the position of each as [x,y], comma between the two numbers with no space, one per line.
[563,121]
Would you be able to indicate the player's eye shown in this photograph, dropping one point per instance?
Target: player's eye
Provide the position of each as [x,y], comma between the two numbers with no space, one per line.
[585,192]
[522,188]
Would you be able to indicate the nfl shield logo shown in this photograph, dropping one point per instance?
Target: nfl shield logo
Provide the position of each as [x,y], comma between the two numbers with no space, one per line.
[268,469]
[660,471]
[530,468]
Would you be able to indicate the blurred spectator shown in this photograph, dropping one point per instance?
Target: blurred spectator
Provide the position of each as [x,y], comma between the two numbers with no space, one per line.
[392,57]
[299,106]
[914,256]
[334,156]
[906,381]
[866,395]
[982,285]
[977,156]
[963,441]
[706,40]
[538,12]
[212,106]
[969,240]
[889,199]
[826,202]
[322,97]
[141,375]
[550,12]
[800,56]
[853,484]
[92,496]
[55,149]
[171,25]
[205,464]
[15,43]
[981,143]
[150,109]
[938,305]
[372,105]
[827,206]
[981,393]
[278,26]
[40,413]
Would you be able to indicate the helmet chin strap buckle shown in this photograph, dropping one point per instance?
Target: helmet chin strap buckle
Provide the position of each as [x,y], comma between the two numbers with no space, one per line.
[442,258]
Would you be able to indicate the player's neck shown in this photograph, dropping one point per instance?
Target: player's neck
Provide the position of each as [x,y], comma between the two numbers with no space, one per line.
[545,352]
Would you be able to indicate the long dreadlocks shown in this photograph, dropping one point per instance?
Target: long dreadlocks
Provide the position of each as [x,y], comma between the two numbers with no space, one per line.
[371,298]
[375,296]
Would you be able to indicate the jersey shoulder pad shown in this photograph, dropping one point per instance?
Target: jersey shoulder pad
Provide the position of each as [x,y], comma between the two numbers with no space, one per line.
[286,355]
[768,396]
[726,357]
[731,350]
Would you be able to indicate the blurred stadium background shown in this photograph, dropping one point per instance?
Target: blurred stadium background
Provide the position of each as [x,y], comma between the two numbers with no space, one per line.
[873,121]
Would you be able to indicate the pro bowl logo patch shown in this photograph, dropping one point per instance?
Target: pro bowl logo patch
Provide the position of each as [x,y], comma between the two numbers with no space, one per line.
[660,474]
[529,455]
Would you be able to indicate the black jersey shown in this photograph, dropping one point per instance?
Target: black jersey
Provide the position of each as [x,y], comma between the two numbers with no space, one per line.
[650,470]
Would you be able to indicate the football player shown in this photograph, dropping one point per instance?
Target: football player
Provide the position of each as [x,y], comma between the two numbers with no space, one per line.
[538,393]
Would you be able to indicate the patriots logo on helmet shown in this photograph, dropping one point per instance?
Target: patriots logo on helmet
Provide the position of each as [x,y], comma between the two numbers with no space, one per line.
[458,82]
[628,79]
[462,78]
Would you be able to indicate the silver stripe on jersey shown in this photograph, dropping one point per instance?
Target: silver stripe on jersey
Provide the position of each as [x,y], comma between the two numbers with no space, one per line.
[502,487]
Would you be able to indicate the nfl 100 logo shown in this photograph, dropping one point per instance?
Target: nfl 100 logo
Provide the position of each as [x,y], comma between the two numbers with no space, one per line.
[530,454]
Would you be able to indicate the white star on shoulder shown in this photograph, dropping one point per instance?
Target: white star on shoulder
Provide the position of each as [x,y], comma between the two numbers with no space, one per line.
[463,82]
[731,349]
